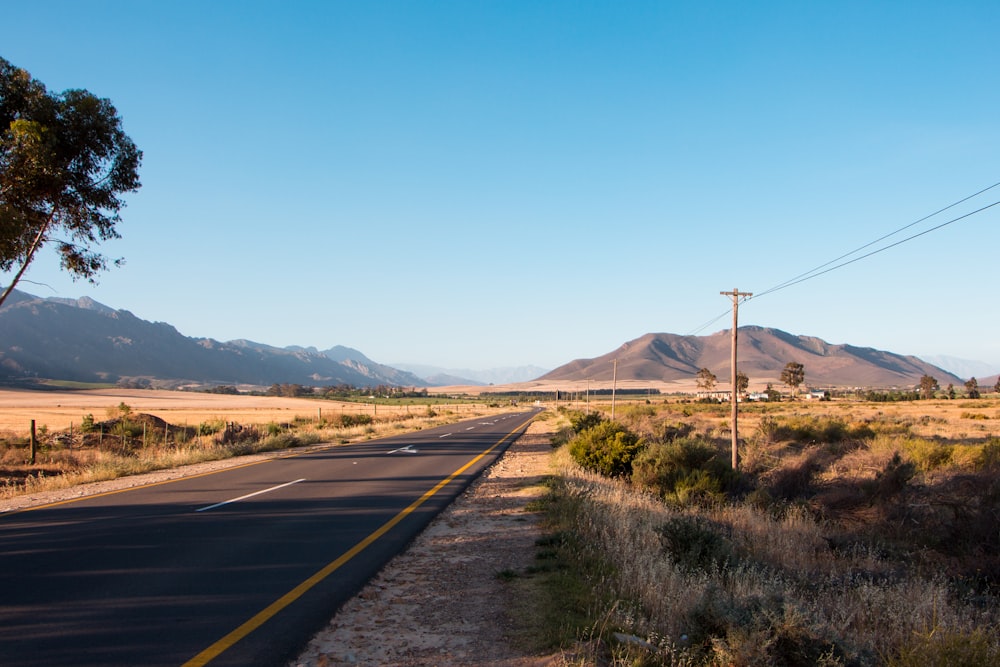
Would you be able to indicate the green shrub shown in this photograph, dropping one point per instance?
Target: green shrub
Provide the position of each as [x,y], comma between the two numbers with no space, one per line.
[696,544]
[687,469]
[607,448]
[347,421]
[581,421]
[989,456]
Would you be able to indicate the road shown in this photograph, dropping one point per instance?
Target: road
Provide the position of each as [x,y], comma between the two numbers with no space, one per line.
[237,567]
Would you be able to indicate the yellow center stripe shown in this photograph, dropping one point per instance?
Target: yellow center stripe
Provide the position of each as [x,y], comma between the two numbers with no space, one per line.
[219,647]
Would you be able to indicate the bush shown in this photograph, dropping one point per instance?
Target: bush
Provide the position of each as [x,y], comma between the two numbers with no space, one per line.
[989,456]
[581,421]
[696,544]
[355,420]
[607,448]
[687,469]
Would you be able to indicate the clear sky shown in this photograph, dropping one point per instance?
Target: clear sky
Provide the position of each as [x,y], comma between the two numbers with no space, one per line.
[474,184]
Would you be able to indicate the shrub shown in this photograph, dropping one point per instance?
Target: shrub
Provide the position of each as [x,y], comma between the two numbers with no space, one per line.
[608,448]
[989,456]
[581,421]
[686,469]
[696,544]
[893,479]
[347,420]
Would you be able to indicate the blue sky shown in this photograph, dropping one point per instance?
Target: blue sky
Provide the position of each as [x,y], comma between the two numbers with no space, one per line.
[481,184]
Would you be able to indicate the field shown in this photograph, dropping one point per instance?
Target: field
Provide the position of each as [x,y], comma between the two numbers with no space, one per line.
[101,434]
[58,410]
[855,533]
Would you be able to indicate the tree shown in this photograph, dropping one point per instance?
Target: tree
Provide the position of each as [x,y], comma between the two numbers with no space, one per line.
[65,163]
[996,387]
[772,393]
[793,375]
[928,385]
[706,379]
[742,382]
[972,387]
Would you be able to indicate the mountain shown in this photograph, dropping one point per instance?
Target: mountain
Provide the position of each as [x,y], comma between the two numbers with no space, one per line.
[438,376]
[763,353]
[963,368]
[86,341]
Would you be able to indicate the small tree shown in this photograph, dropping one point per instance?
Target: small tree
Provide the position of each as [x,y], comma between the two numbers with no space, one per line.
[706,379]
[793,375]
[772,393]
[928,385]
[742,382]
[972,387]
[996,387]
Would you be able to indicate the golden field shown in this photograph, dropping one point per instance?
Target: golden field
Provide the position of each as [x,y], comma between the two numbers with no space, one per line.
[58,410]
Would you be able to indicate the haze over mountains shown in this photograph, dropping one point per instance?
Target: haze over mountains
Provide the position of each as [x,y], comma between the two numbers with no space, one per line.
[82,340]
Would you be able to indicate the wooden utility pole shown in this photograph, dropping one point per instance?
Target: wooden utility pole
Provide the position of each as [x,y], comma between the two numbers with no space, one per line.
[614,388]
[735,294]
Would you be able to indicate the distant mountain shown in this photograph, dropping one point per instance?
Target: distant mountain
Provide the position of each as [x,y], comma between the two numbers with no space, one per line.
[438,376]
[763,353]
[963,368]
[86,341]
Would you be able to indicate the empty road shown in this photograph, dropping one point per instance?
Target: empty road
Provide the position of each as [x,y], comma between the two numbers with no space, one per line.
[236,567]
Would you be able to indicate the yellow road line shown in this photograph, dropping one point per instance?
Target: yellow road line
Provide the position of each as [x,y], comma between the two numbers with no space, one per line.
[224,644]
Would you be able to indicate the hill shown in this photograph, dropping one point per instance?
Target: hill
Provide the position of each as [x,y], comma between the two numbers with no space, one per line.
[763,353]
[85,341]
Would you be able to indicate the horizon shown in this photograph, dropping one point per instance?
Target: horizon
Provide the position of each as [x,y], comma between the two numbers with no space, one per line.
[962,368]
[493,185]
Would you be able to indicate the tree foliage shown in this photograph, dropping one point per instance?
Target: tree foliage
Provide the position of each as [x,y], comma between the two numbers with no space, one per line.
[706,379]
[742,382]
[793,375]
[972,387]
[928,385]
[65,164]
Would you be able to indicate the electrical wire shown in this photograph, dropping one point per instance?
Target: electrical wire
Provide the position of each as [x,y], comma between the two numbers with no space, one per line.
[812,275]
[822,268]
[818,271]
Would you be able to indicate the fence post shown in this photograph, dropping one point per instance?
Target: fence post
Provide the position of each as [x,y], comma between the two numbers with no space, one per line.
[34,442]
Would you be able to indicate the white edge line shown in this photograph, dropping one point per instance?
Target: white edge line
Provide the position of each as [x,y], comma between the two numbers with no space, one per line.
[249,495]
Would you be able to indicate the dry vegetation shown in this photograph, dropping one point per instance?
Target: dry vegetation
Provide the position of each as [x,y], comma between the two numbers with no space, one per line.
[856,534]
[90,436]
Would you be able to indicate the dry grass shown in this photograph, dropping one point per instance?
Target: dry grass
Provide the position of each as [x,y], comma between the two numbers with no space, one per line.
[862,534]
[137,431]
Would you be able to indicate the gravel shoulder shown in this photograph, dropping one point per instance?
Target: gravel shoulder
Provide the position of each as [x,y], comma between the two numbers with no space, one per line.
[441,602]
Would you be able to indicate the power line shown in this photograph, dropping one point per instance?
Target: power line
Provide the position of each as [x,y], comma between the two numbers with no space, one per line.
[822,268]
[818,270]
[810,275]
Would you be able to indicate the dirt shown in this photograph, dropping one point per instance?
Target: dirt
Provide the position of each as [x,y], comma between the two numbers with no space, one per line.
[441,602]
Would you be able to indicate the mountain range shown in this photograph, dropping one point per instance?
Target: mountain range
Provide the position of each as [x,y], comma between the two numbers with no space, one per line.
[83,340]
[762,355]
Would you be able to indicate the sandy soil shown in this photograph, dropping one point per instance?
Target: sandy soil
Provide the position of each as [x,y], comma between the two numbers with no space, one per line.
[441,603]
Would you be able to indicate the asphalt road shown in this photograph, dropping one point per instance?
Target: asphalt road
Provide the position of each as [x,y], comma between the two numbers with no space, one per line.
[238,567]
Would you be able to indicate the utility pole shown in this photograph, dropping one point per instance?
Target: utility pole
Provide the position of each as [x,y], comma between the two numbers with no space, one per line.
[735,294]
[614,388]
